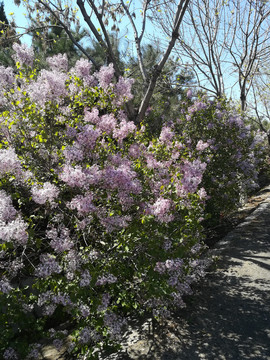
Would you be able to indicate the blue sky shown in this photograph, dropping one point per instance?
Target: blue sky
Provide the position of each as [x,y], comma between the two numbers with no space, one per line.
[20,20]
[19,16]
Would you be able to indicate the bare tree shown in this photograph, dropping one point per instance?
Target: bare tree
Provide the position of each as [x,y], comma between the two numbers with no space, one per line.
[101,16]
[259,103]
[225,42]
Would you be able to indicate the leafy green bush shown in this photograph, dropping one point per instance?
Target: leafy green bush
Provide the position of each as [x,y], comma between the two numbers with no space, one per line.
[233,153]
[97,220]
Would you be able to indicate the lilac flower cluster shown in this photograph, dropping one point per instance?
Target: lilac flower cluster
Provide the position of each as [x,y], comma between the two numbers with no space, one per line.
[162,209]
[84,310]
[7,211]
[106,298]
[106,279]
[10,354]
[166,135]
[9,163]
[12,226]
[6,77]
[122,90]
[15,230]
[201,145]
[34,353]
[23,54]
[170,266]
[73,176]
[5,286]
[58,62]
[83,204]
[122,178]
[114,323]
[48,266]
[192,176]
[125,128]
[88,335]
[50,86]
[105,76]
[85,278]
[60,239]
[48,192]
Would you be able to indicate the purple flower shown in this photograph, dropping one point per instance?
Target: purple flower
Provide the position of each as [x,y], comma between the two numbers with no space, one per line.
[60,242]
[88,334]
[58,62]
[82,68]
[135,151]
[106,279]
[166,135]
[58,344]
[12,226]
[23,54]
[85,278]
[88,136]
[201,145]
[84,310]
[61,299]
[48,192]
[105,302]
[161,209]
[7,76]
[92,116]
[9,162]
[10,354]
[73,153]
[192,177]
[125,128]
[74,177]
[5,286]
[116,222]
[114,323]
[7,211]
[105,76]
[203,194]
[83,204]
[189,94]
[49,86]
[122,90]
[122,178]
[48,266]
[107,123]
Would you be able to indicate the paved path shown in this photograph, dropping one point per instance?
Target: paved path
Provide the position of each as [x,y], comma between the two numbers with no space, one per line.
[229,316]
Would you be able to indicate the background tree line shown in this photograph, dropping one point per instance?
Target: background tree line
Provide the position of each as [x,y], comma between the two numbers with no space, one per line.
[217,47]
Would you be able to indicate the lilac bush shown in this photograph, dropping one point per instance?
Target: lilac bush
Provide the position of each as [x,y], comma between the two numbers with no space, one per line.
[233,153]
[98,220]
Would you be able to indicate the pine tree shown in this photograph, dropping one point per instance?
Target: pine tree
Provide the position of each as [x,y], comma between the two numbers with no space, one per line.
[7,31]
[170,88]
[53,40]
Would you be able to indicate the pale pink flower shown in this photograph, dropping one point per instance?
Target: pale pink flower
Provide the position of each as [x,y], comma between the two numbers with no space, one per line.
[166,135]
[46,192]
[58,62]
[162,209]
[105,76]
[23,54]
[201,145]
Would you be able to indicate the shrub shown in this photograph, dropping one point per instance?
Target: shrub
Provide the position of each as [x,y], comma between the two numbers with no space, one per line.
[97,220]
[233,153]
